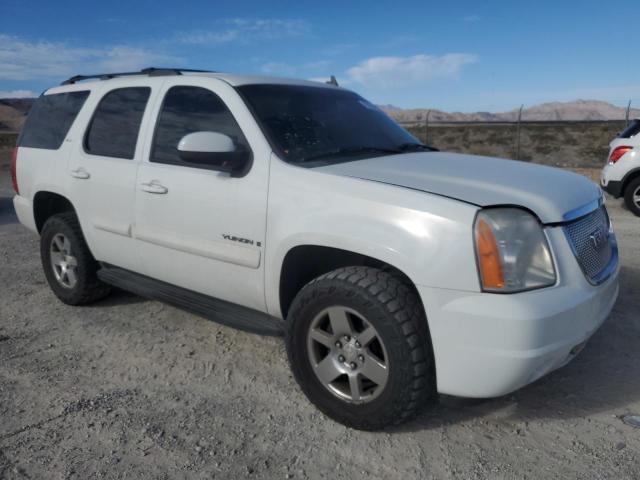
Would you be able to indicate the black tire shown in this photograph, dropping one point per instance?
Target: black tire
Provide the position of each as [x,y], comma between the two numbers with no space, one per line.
[629,191]
[396,312]
[87,287]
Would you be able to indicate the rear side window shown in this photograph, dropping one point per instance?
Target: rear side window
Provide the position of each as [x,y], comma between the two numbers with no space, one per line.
[187,110]
[113,131]
[50,119]
[632,130]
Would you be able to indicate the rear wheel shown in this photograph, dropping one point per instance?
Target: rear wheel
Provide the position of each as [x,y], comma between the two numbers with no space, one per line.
[632,196]
[359,347]
[68,265]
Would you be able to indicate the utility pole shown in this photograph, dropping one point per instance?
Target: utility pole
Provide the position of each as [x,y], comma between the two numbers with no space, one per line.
[626,117]
[518,133]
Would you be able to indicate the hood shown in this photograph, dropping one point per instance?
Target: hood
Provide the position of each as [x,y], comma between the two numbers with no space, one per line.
[550,193]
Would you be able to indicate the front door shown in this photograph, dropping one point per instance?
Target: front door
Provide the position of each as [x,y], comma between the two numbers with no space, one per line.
[195,227]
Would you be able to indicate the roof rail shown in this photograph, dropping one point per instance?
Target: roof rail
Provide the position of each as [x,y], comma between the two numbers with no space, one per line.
[152,72]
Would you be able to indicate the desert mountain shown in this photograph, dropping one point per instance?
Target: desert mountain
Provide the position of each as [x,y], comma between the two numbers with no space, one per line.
[576,110]
[13,112]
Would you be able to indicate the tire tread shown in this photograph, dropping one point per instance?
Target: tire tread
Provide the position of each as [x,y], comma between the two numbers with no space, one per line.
[401,303]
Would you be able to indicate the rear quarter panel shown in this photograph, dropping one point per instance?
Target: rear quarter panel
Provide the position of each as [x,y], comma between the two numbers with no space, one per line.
[628,162]
[46,170]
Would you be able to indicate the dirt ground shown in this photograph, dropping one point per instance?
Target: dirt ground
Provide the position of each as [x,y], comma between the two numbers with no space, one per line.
[129,388]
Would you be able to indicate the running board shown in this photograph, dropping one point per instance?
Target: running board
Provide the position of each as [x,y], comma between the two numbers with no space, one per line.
[219,311]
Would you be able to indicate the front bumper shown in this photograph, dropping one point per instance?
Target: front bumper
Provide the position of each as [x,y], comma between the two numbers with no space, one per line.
[613,188]
[612,178]
[488,345]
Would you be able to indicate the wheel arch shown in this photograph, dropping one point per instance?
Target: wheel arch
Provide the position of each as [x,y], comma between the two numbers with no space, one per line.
[303,263]
[628,178]
[47,204]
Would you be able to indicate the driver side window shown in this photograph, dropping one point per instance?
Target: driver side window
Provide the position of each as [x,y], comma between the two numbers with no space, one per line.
[187,110]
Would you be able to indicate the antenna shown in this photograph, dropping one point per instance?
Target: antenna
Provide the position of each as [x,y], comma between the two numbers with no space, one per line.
[333,81]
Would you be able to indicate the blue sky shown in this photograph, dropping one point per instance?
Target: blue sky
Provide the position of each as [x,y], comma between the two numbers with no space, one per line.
[460,55]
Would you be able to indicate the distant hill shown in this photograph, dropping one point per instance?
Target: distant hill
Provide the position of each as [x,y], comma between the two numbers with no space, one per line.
[13,112]
[576,110]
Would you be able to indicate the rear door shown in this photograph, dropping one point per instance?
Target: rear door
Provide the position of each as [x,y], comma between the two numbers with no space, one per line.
[198,228]
[103,169]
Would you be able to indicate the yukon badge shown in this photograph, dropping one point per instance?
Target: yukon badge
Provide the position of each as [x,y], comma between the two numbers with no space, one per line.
[246,241]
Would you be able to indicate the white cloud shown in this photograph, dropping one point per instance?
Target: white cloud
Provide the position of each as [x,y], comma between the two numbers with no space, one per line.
[280,68]
[17,94]
[24,60]
[243,30]
[319,79]
[385,72]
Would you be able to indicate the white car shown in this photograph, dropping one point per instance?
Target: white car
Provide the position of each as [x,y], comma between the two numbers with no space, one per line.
[285,206]
[621,175]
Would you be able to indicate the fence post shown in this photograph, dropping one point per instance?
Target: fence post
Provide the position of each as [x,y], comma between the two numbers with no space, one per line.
[518,133]
[426,127]
[626,117]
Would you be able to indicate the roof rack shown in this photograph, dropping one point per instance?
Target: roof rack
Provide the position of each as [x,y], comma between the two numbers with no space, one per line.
[152,72]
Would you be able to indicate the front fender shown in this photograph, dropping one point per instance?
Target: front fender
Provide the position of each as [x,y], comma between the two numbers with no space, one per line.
[427,237]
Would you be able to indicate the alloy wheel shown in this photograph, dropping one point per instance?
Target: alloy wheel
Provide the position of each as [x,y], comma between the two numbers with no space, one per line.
[63,262]
[347,355]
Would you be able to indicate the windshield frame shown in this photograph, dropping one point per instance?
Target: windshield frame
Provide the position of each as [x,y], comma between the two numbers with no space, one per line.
[276,148]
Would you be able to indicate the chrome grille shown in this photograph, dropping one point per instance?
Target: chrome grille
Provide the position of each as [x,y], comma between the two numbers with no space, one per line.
[592,243]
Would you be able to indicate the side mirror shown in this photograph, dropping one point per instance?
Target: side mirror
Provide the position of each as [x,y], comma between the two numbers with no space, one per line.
[213,150]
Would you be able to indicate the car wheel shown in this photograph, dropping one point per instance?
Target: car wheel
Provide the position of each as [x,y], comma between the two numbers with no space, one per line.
[68,264]
[359,347]
[632,196]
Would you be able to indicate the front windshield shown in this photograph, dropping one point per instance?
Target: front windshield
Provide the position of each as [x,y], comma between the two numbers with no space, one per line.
[319,125]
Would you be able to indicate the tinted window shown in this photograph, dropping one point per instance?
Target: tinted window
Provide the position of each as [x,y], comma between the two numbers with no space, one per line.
[188,110]
[632,129]
[317,124]
[116,122]
[50,119]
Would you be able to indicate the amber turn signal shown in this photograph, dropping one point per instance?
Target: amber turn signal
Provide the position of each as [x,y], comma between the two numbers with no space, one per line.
[488,256]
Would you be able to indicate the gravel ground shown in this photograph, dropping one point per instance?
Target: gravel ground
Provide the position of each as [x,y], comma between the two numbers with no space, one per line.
[129,388]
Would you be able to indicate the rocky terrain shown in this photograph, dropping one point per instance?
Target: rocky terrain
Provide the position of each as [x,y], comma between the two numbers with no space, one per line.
[129,388]
[566,144]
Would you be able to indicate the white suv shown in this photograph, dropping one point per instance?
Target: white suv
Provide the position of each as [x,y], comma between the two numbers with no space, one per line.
[284,206]
[621,175]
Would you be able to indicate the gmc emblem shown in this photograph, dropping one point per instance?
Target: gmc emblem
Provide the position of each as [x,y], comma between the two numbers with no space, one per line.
[598,239]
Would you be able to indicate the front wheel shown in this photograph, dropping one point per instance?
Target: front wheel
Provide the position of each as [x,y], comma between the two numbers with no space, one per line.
[632,196]
[359,347]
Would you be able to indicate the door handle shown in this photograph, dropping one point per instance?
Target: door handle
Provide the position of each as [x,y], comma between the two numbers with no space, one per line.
[154,187]
[80,173]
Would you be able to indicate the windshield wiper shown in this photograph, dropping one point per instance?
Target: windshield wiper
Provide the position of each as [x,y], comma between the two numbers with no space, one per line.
[406,147]
[350,151]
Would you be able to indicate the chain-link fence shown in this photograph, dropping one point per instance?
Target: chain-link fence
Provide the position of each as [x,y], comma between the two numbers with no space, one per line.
[566,143]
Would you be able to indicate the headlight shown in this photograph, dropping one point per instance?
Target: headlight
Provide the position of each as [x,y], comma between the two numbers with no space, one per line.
[512,251]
